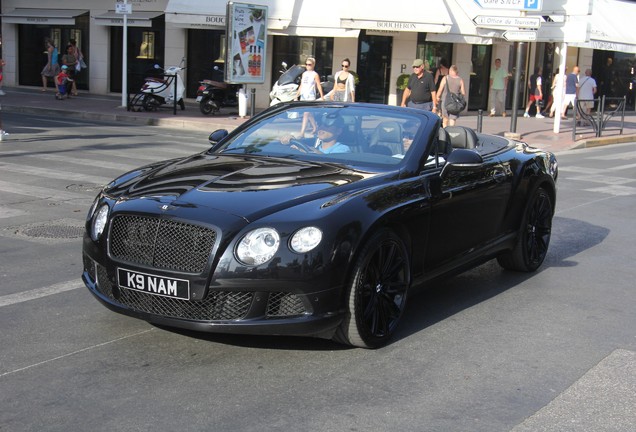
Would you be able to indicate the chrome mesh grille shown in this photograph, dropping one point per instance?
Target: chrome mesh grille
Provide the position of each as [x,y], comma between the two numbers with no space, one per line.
[281,304]
[161,243]
[218,305]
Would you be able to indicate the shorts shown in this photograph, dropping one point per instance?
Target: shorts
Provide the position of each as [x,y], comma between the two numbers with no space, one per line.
[61,88]
[568,99]
[535,98]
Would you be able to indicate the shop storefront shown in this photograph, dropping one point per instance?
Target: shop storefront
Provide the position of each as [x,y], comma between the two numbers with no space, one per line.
[34,26]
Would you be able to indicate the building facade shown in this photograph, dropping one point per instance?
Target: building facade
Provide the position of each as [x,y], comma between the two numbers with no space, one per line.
[380,38]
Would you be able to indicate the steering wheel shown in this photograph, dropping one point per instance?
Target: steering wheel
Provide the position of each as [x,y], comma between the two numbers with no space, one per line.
[301,147]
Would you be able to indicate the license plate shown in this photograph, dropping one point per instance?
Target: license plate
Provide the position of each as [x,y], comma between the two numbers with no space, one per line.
[199,98]
[153,284]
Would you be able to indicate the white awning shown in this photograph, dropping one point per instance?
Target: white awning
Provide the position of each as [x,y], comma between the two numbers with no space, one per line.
[203,14]
[429,17]
[316,32]
[42,16]
[206,14]
[612,26]
[135,19]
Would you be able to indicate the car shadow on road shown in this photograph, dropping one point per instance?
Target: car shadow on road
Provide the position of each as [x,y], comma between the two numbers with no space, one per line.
[445,298]
[448,297]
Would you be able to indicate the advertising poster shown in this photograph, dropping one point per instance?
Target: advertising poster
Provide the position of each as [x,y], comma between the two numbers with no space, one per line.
[246,43]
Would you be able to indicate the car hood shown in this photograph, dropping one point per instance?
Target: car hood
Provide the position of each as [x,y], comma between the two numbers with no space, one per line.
[265,184]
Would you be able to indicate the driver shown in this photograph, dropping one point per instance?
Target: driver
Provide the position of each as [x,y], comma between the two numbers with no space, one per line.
[328,132]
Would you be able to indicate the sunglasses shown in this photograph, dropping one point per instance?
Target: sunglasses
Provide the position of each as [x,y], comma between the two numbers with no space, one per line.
[309,64]
[345,66]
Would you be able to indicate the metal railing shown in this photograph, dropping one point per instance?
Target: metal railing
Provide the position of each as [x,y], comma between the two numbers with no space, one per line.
[607,107]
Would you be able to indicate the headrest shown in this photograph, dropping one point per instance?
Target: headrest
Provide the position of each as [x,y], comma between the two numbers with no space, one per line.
[389,131]
[462,137]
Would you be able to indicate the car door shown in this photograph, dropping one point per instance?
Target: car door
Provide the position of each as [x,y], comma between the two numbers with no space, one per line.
[467,209]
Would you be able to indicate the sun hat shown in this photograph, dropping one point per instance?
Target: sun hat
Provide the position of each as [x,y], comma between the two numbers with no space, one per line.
[64,67]
[418,62]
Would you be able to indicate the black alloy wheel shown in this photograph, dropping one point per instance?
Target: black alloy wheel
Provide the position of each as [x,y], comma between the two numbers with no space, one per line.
[534,237]
[377,292]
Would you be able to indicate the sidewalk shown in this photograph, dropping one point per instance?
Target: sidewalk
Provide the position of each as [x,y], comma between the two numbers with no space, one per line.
[534,131]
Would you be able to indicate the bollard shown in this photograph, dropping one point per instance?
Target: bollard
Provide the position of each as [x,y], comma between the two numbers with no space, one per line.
[242,100]
[480,120]
[252,102]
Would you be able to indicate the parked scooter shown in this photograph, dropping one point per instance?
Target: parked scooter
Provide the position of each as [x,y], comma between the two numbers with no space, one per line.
[213,95]
[159,91]
[286,88]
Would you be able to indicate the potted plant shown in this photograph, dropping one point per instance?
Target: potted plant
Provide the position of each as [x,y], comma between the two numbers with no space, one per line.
[400,85]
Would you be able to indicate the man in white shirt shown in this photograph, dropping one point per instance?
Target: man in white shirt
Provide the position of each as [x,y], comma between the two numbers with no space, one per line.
[586,92]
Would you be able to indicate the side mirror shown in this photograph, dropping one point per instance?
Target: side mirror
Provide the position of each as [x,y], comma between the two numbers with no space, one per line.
[461,160]
[217,136]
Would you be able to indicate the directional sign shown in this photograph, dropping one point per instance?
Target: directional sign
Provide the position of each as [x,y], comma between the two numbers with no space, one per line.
[521,5]
[514,22]
[520,35]
[123,8]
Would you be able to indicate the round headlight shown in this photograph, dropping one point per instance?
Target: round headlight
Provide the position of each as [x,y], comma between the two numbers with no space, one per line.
[305,239]
[99,222]
[258,246]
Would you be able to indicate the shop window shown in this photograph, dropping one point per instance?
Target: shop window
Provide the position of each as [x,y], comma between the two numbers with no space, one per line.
[479,77]
[294,50]
[147,46]
[433,52]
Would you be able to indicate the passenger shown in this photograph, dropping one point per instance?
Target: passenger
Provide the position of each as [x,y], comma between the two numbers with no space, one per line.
[409,129]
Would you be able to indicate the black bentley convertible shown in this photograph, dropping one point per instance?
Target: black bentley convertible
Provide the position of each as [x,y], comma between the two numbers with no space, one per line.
[321,233]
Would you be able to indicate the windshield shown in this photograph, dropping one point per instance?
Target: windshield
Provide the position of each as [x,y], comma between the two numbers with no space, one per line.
[292,75]
[334,133]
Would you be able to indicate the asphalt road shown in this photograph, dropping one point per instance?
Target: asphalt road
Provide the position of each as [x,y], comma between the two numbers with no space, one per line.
[488,350]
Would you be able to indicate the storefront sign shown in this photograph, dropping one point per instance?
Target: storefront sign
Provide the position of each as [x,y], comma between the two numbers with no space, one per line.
[246,43]
[395,26]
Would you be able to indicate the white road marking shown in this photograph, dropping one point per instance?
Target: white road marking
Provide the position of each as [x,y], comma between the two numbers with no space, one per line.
[53,174]
[39,192]
[37,293]
[75,352]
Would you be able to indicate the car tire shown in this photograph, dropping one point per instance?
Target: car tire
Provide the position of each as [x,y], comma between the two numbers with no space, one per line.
[376,295]
[534,235]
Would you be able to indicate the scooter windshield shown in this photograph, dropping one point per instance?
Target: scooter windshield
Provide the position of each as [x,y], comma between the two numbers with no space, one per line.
[292,75]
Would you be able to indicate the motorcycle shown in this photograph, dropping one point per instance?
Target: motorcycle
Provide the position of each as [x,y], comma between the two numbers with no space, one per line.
[285,89]
[213,95]
[157,91]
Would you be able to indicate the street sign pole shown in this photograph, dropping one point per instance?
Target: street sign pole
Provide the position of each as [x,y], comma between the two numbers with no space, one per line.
[124,57]
[515,95]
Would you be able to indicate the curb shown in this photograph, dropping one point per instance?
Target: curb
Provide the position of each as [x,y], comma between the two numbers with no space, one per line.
[602,141]
[229,123]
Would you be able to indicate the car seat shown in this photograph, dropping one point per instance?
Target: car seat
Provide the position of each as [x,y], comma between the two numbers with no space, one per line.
[387,134]
[462,137]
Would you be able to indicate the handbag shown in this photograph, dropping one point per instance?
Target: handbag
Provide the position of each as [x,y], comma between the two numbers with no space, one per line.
[455,103]
[82,63]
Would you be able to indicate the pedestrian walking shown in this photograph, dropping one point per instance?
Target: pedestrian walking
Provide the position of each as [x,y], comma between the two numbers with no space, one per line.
[77,52]
[452,83]
[52,67]
[555,99]
[498,86]
[535,93]
[420,90]
[587,92]
[571,83]
[344,84]
[440,72]
[309,86]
